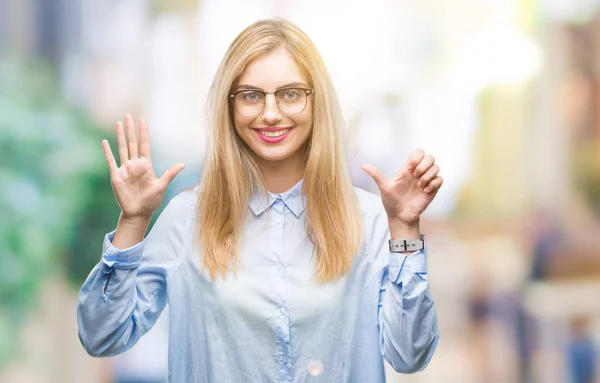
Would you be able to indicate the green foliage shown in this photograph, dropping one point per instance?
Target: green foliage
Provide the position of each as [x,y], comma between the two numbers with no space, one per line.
[56,200]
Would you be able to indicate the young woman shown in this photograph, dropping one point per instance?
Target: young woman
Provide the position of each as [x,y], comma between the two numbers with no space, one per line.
[275,267]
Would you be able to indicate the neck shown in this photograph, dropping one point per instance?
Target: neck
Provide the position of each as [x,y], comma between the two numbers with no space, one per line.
[281,176]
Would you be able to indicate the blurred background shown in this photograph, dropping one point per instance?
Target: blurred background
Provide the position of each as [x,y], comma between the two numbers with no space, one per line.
[504,93]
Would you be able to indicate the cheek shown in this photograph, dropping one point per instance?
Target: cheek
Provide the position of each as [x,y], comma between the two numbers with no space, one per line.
[241,124]
[306,121]
[237,121]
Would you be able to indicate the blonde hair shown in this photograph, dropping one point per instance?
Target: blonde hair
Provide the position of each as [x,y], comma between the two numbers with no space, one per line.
[231,174]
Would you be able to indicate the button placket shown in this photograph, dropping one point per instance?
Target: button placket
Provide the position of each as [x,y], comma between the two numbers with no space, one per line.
[278,227]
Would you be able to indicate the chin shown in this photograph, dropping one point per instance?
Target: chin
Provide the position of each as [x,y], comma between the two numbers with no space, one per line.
[274,155]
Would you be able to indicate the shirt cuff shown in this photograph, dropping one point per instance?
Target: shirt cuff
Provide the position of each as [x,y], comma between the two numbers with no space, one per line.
[125,259]
[403,266]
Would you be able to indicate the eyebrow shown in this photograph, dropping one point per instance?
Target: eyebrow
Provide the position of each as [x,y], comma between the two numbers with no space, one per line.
[252,87]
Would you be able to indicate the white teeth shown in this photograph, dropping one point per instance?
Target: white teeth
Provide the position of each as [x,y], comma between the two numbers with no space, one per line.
[278,133]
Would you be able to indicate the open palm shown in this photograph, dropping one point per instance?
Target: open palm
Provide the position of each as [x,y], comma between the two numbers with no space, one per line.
[137,189]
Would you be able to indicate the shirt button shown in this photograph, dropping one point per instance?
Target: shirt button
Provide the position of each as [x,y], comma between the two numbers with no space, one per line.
[279,219]
[282,311]
[283,359]
[315,367]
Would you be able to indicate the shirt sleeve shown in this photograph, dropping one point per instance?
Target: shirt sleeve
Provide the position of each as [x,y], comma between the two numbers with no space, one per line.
[407,318]
[126,291]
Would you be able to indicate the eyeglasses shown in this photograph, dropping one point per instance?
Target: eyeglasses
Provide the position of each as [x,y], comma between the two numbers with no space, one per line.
[251,102]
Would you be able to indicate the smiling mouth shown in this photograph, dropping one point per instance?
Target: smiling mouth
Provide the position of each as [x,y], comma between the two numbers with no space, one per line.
[274,134]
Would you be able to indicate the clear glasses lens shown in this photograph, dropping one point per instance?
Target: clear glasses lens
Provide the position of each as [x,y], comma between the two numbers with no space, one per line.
[251,103]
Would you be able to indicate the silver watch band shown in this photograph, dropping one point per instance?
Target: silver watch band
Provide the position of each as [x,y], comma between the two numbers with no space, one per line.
[403,245]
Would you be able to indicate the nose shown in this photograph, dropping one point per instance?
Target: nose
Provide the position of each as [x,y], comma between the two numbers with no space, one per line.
[271,114]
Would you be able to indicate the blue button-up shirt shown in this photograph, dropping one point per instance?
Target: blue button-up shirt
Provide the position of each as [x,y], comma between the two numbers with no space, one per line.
[271,321]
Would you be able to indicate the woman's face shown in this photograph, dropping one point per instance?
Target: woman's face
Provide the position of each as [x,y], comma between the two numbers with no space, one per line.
[273,135]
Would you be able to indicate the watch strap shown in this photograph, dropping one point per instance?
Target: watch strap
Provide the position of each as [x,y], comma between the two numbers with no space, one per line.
[404,245]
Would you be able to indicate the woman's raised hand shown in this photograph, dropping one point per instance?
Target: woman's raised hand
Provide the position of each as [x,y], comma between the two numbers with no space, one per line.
[137,189]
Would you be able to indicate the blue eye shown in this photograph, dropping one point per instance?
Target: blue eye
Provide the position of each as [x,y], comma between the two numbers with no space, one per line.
[290,95]
[251,96]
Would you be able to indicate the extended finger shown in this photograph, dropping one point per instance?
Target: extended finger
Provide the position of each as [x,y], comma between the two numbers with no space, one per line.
[376,174]
[424,165]
[414,159]
[122,142]
[144,140]
[132,140]
[171,173]
[110,159]
[429,175]
[434,185]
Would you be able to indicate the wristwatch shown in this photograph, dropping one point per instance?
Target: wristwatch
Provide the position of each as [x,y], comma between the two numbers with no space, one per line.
[403,245]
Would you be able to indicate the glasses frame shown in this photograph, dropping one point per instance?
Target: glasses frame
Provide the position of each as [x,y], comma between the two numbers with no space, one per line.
[306,91]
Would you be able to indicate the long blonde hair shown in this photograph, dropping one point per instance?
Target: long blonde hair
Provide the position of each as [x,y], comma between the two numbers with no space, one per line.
[231,174]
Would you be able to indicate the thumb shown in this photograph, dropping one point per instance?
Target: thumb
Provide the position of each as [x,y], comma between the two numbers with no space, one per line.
[171,173]
[376,174]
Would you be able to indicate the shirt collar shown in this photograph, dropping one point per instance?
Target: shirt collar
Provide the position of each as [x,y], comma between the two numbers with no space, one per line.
[294,199]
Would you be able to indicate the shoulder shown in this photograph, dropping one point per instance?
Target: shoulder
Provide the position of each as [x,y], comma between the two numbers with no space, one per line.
[185,199]
[370,203]
[374,218]
[181,208]
[173,225]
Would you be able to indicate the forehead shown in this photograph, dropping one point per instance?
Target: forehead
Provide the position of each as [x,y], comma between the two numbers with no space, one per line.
[273,70]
